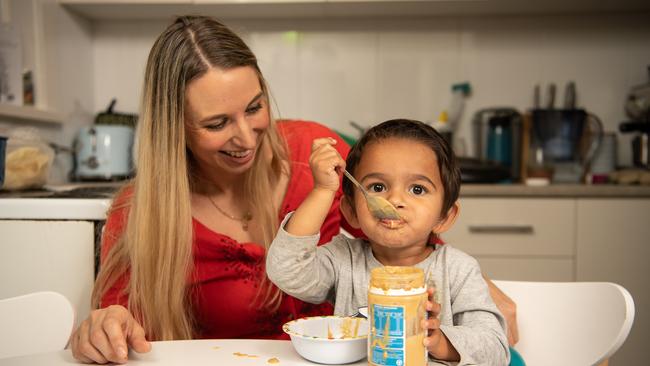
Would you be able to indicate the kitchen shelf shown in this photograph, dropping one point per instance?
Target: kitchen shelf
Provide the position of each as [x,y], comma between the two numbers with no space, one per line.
[32,114]
[555,191]
[250,9]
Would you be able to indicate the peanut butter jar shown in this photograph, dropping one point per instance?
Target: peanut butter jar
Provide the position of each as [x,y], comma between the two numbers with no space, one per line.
[396,306]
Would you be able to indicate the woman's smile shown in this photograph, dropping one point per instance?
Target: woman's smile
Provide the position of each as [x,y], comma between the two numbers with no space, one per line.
[240,157]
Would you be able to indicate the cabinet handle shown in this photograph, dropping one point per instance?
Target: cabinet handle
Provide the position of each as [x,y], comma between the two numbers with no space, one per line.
[501,229]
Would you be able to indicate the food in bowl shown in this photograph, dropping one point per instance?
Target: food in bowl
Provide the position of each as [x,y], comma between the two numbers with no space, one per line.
[329,339]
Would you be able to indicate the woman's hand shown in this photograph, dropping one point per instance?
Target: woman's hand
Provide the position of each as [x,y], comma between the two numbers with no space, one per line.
[508,308]
[436,342]
[106,335]
[326,163]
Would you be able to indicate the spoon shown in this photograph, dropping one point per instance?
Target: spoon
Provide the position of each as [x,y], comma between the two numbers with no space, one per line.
[378,206]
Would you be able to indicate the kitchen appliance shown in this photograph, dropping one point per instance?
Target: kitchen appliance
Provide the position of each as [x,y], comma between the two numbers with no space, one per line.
[103,152]
[568,139]
[473,170]
[497,137]
[640,147]
[637,107]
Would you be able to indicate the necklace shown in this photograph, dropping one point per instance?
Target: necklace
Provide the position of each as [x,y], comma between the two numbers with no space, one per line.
[248,216]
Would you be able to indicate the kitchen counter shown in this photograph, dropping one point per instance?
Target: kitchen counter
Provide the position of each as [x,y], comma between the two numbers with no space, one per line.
[555,191]
[84,201]
[54,208]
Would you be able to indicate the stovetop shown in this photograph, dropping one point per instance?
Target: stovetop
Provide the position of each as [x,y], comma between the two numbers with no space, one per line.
[73,192]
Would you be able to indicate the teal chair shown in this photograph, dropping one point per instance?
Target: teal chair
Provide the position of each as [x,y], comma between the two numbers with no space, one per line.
[347,138]
[515,358]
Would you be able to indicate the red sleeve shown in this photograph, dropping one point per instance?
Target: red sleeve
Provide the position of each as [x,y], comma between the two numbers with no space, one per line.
[344,149]
[113,230]
[299,136]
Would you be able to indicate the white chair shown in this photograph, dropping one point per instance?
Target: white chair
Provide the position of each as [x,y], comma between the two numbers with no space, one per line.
[570,323]
[35,323]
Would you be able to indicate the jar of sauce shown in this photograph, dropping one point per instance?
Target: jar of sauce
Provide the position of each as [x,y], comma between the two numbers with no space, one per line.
[396,307]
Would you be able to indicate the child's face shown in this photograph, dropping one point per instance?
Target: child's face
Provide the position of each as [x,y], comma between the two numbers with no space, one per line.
[406,173]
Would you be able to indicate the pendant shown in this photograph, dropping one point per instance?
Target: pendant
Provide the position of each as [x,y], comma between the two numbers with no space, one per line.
[248,217]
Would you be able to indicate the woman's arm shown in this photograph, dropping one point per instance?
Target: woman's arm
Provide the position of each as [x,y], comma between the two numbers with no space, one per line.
[508,308]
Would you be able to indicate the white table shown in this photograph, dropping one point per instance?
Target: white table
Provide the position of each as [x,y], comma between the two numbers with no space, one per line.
[214,352]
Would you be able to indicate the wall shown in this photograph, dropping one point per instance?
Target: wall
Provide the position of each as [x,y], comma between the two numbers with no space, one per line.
[370,70]
[364,70]
[57,47]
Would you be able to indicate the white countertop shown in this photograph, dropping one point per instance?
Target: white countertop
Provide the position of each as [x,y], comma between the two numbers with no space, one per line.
[17,207]
[54,208]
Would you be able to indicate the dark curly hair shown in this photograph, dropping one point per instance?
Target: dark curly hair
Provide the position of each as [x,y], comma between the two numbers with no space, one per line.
[416,131]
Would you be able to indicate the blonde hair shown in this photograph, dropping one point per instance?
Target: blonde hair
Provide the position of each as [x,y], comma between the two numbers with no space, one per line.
[156,246]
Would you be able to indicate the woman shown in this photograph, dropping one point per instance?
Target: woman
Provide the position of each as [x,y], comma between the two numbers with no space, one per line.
[184,244]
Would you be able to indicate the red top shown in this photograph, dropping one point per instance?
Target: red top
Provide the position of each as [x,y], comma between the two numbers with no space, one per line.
[227,273]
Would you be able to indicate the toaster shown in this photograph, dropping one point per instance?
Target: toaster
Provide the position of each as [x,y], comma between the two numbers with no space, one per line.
[103,152]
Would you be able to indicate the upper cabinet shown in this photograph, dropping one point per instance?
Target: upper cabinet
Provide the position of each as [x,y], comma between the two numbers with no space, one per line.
[160,9]
[29,113]
[56,47]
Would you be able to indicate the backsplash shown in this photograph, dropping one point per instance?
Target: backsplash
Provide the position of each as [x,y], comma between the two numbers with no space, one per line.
[338,70]
[369,70]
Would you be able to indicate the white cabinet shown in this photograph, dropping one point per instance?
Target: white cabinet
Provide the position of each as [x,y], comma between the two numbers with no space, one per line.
[613,244]
[565,239]
[518,238]
[48,255]
[57,48]
[29,113]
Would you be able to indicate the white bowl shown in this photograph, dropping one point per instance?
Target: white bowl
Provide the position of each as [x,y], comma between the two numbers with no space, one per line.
[329,339]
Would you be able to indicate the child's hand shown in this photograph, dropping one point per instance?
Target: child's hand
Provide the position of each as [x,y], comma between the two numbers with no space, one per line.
[436,342]
[432,323]
[326,163]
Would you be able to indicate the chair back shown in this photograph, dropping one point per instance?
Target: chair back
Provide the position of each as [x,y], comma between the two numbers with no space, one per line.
[35,323]
[570,323]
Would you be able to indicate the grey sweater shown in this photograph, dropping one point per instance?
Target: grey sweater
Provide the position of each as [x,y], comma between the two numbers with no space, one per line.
[339,272]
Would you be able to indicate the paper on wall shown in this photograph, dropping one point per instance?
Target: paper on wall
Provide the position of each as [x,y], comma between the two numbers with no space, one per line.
[11,80]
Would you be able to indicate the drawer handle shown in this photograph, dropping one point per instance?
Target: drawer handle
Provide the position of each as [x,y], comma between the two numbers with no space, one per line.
[501,229]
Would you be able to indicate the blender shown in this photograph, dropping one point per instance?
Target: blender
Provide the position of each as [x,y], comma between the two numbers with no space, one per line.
[568,140]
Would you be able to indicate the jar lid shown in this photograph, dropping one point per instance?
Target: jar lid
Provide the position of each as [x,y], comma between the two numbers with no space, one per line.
[397,278]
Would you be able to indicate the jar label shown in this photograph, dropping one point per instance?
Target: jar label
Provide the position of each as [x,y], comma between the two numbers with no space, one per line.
[388,336]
